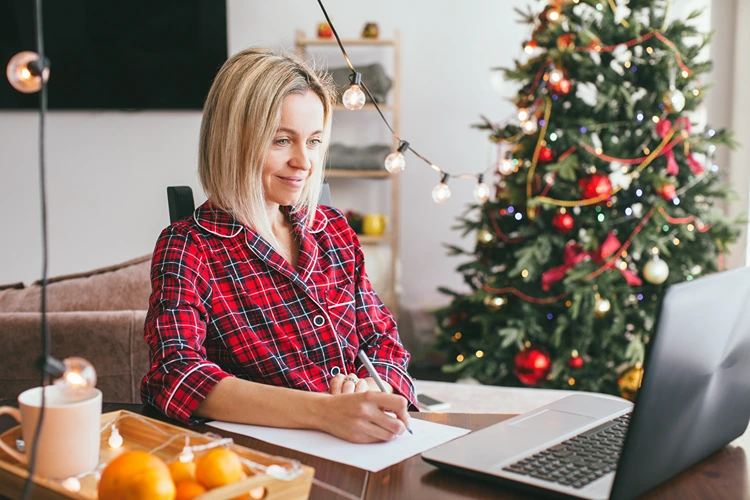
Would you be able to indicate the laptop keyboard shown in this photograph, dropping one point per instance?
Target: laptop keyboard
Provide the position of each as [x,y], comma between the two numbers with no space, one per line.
[579,460]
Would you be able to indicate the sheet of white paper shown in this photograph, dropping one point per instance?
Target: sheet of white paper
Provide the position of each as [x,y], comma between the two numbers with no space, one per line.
[372,457]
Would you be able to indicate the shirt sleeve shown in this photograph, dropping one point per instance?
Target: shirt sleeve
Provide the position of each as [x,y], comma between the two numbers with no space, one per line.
[180,376]
[378,334]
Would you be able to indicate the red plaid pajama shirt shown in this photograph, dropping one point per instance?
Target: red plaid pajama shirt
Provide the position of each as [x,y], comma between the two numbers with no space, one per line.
[225,303]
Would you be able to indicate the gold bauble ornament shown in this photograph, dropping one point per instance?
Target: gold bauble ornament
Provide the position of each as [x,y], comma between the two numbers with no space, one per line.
[656,271]
[601,307]
[495,302]
[674,100]
[484,236]
[630,382]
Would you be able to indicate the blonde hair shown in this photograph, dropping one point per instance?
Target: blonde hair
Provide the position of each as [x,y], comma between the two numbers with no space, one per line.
[240,118]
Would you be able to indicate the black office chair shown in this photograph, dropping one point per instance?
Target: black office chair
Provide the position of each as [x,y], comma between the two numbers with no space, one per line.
[182,204]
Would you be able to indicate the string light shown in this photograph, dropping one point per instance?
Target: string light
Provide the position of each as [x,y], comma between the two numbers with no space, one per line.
[115,439]
[481,190]
[530,126]
[555,75]
[75,375]
[395,162]
[506,166]
[479,354]
[72,484]
[25,72]
[523,114]
[460,358]
[186,456]
[354,97]
[441,193]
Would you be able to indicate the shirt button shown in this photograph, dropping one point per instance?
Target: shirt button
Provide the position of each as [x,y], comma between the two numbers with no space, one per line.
[335,371]
[319,320]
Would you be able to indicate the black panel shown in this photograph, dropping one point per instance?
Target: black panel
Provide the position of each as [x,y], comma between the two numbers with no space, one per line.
[117,54]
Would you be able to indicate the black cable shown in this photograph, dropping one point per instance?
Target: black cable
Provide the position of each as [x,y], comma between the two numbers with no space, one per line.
[372,99]
[335,34]
[43,195]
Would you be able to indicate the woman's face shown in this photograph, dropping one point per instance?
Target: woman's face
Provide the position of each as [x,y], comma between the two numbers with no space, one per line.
[295,149]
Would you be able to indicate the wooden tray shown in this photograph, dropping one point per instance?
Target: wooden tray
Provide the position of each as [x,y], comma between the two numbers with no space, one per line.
[138,435]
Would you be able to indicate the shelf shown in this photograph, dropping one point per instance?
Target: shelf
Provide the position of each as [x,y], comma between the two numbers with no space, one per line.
[332,173]
[366,107]
[366,239]
[345,42]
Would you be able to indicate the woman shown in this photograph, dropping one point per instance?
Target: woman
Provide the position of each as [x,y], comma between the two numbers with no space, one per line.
[260,301]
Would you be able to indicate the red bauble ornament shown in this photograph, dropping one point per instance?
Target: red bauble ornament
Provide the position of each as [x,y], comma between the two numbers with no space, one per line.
[666,191]
[562,87]
[566,41]
[595,186]
[546,155]
[576,362]
[532,365]
[563,222]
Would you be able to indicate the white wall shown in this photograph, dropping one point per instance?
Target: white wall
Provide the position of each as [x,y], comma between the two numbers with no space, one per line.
[107,172]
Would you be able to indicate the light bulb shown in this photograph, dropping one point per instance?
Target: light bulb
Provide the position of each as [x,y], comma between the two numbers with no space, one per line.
[186,456]
[395,162]
[354,98]
[505,166]
[22,72]
[115,439]
[78,378]
[553,15]
[72,484]
[523,114]
[555,76]
[441,193]
[530,126]
[481,191]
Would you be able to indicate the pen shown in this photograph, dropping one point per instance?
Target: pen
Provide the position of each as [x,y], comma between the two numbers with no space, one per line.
[371,370]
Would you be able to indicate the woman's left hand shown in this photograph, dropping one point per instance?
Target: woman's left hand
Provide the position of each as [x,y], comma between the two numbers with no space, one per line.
[344,384]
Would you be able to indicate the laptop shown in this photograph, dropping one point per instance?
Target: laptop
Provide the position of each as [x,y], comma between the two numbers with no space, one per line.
[694,400]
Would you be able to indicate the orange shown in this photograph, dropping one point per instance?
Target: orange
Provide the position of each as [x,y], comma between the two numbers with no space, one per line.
[189,489]
[182,471]
[136,475]
[218,467]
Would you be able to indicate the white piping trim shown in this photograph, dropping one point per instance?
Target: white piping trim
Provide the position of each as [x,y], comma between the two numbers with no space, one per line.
[214,232]
[324,224]
[166,406]
[341,304]
[398,368]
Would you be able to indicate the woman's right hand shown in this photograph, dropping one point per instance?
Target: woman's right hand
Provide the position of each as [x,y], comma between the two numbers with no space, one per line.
[360,417]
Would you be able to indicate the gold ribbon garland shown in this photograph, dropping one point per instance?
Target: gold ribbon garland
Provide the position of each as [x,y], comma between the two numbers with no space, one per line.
[593,201]
[530,211]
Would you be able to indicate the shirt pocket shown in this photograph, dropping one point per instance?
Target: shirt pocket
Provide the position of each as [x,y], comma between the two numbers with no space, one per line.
[340,303]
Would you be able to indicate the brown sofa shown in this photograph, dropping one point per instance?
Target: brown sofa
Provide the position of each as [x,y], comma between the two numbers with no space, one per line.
[97,315]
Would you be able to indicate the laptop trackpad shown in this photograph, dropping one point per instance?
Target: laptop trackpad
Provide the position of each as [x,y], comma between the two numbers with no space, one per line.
[553,420]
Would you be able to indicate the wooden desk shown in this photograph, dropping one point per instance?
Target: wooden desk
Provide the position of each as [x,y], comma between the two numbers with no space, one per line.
[721,476]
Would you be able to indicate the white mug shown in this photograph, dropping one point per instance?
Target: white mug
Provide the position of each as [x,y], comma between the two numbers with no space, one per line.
[69,440]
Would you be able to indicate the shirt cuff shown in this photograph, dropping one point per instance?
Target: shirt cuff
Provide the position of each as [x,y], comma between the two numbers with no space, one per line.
[397,377]
[190,392]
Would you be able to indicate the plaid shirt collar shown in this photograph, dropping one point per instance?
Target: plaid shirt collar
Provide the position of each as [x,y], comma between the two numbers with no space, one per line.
[221,223]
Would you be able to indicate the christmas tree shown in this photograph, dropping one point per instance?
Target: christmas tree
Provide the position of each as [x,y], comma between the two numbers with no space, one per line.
[605,195]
